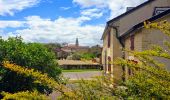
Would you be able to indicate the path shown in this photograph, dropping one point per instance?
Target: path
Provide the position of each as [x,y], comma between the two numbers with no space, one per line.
[81,75]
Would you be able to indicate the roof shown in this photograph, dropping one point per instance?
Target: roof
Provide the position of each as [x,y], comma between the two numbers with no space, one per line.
[130,11]
[124,14]
[76,62]
[141,24]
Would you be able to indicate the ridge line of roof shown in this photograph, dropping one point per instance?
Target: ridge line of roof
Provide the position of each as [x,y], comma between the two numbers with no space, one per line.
[135,8]
[153,18]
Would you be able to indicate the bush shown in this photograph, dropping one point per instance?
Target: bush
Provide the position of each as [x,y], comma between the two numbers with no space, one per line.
[38,77]
[32,56]
[87,56]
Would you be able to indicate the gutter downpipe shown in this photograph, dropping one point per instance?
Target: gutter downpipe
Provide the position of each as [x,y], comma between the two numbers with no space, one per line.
[117,36]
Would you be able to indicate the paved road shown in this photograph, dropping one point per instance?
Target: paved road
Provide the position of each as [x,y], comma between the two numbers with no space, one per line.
[82,75]
[77,76]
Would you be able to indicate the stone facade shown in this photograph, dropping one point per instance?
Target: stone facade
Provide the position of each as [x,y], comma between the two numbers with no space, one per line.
[142,38]
[145,38]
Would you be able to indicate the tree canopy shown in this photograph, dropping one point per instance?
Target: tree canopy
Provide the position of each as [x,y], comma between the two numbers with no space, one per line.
[30,55]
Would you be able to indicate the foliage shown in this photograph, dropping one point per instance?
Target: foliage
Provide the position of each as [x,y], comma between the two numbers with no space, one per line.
[95,50]
[92,52]
[76,56]
[87,56]
[38,77]
[24,96]
[31,56]
[101,88]
[54,47]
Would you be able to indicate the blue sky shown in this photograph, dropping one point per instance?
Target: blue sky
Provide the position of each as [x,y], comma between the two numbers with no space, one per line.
[59,20]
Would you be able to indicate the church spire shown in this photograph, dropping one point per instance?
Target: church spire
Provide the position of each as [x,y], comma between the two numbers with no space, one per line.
[77,42]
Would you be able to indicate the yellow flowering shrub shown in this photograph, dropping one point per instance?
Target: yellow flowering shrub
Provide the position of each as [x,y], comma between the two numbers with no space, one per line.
[163,26]
[39,78]
[24,96]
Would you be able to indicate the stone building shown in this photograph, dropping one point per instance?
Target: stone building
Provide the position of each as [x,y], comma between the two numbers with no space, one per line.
[127,31]
[71,48]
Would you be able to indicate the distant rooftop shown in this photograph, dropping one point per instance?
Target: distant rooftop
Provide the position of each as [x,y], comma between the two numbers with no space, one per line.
[76,62]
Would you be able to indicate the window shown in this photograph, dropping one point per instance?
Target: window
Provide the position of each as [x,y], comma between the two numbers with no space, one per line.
[132,38]
[105,60]
[159,10]
[109,40]
[124,71]
[129,71]
[109,64]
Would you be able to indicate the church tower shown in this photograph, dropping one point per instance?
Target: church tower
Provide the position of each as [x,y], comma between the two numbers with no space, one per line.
[77,42]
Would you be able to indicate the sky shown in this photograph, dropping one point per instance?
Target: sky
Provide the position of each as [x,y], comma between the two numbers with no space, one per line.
[59,21]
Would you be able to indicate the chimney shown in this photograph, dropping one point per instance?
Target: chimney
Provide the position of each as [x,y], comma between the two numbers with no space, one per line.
[129,8]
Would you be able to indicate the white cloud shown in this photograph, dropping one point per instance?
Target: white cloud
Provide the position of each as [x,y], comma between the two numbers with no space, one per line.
[12,24]
[116,7]
[89,3]
[65,8]
[59,30]
[97,13]
[9,7]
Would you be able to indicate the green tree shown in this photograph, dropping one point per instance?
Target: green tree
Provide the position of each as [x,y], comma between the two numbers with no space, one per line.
[54,47]
[32,56]
[88,56]
[96,50]
[76,56]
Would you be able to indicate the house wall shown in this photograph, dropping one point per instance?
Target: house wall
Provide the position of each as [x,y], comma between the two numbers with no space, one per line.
[114,51]
[156,37]
[142,39]
[139,15]
[146,38]
[137,47]
[105,54]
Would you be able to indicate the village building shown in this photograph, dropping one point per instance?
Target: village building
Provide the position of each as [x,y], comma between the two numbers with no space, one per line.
[78,64]
[127,31]
[68,49]
[71,48]
[67,63]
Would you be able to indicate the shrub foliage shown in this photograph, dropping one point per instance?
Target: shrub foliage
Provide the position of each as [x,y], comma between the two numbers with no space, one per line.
[30,55]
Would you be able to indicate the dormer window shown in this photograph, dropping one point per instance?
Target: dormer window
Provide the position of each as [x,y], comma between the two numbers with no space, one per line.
[159,10]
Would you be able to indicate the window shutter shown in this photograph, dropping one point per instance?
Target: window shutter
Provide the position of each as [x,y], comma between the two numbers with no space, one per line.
[109,65]
[132,38]
[109,40]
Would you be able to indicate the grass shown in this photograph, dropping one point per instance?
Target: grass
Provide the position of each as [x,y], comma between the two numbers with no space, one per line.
[78,81]
[80,70]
